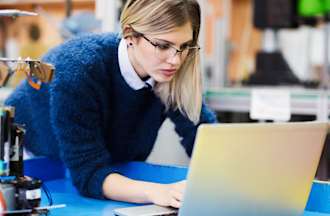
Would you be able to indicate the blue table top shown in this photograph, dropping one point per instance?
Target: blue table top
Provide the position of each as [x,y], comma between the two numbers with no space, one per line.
[63,192]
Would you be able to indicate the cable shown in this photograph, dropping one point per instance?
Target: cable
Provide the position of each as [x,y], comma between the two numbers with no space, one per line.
[48,194]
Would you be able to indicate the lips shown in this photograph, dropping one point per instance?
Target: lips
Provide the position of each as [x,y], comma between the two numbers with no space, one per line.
[168,72]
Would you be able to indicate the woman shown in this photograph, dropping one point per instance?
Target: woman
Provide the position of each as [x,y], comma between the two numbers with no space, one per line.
[110,96]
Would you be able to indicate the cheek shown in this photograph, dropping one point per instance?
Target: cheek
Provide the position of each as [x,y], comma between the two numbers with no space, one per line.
[149,60]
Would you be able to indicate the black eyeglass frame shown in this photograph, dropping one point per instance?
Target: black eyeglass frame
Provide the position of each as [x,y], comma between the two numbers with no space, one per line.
[139,34]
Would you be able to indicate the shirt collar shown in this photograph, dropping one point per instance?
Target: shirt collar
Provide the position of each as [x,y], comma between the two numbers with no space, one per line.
[128,72]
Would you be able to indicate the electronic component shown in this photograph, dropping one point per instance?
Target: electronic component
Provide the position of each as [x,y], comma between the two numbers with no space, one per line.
[19,192]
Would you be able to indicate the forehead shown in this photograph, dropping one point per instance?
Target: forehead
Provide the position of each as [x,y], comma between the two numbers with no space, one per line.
[177,35]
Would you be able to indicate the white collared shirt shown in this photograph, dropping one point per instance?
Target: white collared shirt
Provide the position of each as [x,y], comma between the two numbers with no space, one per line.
[128,72]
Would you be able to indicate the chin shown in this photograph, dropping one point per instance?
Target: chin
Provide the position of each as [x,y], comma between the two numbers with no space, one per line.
[163,79]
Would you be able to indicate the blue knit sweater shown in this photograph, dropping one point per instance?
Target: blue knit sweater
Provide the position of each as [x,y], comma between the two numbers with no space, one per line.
[89,117]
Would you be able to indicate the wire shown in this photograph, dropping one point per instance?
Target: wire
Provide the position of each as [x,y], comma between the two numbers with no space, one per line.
[48,194]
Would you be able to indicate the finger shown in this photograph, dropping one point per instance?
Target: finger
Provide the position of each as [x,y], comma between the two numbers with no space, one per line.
[175,203]
[177,195]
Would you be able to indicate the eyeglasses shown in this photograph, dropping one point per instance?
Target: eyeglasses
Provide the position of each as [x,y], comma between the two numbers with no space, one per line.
[165,50]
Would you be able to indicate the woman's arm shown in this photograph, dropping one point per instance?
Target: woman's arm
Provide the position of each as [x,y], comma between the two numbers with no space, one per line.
[81,140]
[121,188]
[186,129]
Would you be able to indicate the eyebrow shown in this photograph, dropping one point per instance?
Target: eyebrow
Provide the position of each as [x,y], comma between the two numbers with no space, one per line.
[187,42]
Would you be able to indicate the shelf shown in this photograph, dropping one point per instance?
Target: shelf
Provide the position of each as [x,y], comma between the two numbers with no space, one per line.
[303,101]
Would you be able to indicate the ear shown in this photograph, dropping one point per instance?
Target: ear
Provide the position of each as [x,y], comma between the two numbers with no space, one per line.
[128,36]
[129,41]
[127,31]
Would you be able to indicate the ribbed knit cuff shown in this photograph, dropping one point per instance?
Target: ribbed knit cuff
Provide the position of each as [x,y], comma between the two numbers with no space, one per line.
[95,185]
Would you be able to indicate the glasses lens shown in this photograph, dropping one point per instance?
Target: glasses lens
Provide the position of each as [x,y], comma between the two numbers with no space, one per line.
[164,52]
[185,52]
[170,52]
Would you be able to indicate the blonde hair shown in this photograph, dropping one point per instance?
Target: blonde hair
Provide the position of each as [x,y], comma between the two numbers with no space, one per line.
[184,91]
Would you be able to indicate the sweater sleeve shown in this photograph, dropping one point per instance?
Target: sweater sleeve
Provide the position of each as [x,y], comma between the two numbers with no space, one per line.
[77,121]
[186,129]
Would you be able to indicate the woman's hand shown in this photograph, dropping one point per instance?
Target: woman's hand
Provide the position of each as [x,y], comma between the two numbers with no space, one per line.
[121,188]
[167,194]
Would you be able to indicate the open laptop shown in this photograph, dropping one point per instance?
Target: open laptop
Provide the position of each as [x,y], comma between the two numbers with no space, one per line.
[248,169]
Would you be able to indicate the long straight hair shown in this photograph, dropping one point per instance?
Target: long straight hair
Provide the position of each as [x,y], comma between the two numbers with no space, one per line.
[184,91]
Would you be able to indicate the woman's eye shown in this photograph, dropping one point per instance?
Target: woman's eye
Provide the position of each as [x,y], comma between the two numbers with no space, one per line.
[163,46]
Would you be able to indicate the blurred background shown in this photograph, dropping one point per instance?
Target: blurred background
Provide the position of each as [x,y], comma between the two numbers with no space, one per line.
[262,60]
[233,34]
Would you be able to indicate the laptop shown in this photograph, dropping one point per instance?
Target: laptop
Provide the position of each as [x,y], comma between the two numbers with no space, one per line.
[248,169]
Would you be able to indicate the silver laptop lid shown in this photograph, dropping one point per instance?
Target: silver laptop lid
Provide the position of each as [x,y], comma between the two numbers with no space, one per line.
[253,169]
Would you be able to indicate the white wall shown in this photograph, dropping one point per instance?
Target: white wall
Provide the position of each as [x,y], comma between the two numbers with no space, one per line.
[167,149]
